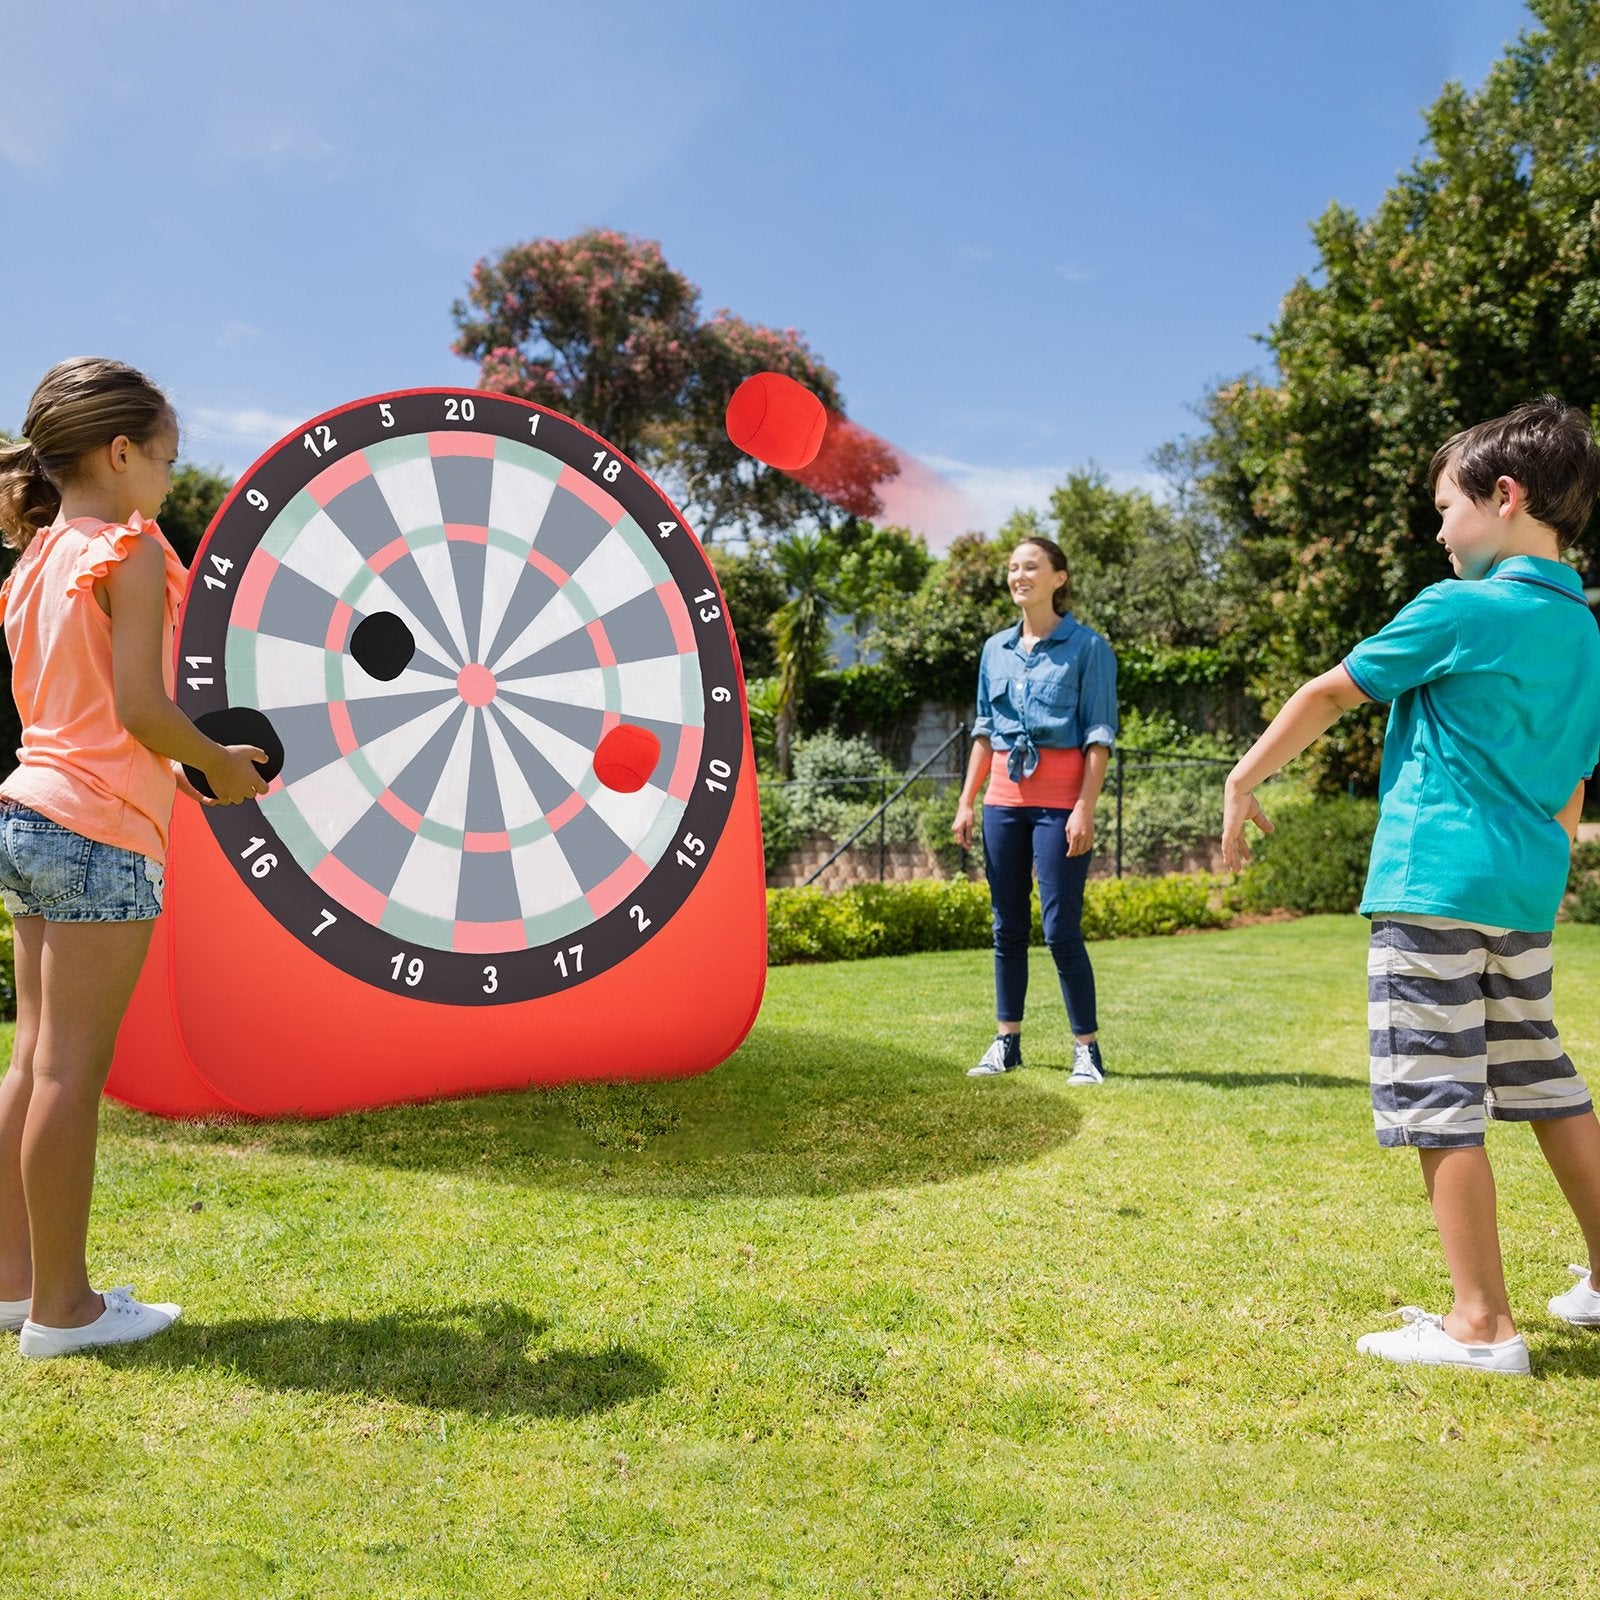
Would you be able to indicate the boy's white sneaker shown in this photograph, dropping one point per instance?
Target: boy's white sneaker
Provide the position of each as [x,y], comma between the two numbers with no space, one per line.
[13,1313]
[1580,1305]
[1424,1343]
[124,1321]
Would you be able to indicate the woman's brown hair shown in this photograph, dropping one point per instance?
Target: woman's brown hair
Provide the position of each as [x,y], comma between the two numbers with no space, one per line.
[79,405]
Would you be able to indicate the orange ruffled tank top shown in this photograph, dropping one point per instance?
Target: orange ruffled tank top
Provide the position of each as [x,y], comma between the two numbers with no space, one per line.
[78,765]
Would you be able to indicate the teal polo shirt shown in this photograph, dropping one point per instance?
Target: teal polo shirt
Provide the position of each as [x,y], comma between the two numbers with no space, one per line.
[1494,689]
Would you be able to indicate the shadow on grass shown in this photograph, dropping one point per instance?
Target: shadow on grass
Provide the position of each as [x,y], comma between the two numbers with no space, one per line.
[795,1111]
[464,1358]
[1569,1353]
[1251,1080]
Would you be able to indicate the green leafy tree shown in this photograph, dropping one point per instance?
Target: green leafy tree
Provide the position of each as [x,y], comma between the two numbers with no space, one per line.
[1141,570]
[800,628]
[194,499]
[10,726]
[783,598]
[1473,286]
[755,591]
[874,568]
[1145,574]
[597,326]
[724,490]
[933,638]
[601,328]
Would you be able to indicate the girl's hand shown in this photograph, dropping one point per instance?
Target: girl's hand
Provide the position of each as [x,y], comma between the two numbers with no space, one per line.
[1080,831]
[233,775]
[185,787]
[1239,807]
[961,828]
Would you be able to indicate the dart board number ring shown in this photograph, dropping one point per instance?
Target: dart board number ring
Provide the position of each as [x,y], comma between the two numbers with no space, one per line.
[445,603]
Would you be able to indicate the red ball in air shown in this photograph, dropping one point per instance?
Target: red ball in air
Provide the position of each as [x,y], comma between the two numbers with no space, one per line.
[777,420]
[626,758]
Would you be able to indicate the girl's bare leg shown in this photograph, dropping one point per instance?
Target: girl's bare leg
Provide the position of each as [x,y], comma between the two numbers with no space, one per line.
[87,973]
[16,1256]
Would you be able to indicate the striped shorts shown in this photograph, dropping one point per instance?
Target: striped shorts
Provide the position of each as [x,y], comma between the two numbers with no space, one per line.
[1460,1023]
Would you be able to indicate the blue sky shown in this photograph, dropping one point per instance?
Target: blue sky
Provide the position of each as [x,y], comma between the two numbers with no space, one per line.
[1025,235]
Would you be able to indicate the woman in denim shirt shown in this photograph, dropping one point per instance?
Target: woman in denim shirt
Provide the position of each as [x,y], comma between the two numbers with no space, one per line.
[1047,717]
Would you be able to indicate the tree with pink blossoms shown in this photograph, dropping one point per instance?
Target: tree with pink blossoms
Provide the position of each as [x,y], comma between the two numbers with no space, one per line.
[601,328]
[597,326]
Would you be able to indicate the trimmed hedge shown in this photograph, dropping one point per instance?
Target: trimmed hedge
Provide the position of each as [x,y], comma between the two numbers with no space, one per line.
[1136,908]
[1314,860]
[897,919]
[893,919]
[1583,882]
[1317,853]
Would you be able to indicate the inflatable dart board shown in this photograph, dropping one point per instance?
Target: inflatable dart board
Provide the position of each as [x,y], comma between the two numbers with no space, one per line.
[514,838]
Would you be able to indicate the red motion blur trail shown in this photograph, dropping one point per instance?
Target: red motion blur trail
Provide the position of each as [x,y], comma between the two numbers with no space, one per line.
[864,474]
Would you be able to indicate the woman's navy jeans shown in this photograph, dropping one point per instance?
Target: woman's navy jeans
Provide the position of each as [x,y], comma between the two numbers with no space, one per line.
[1019,841]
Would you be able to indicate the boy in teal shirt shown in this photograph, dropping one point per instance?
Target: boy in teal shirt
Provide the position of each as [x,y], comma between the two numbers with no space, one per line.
[1494,684]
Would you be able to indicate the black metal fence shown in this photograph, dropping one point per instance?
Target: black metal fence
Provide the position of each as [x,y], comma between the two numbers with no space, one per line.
[1160,811]
[1168,809]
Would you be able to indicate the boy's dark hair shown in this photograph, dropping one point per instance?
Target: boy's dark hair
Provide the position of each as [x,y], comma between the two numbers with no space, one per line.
[1547,446]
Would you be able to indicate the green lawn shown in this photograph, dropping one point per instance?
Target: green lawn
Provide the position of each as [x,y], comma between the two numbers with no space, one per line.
[832,1320]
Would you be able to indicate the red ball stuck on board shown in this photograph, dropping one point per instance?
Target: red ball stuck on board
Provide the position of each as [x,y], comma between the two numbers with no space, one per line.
[776,420]
[626,757]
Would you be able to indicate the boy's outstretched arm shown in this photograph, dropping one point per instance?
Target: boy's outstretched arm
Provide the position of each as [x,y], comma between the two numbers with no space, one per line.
[1306,715]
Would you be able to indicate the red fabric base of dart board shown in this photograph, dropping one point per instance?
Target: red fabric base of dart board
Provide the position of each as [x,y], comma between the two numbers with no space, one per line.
[222,1023]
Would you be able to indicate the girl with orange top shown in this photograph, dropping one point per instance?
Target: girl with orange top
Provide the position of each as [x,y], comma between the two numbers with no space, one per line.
[90,608]
[1047,717]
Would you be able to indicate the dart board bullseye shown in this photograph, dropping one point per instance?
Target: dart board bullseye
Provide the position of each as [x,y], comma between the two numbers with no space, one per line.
[443,604]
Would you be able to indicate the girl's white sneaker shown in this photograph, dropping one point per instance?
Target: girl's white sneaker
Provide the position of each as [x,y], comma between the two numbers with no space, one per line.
[1580,1305]
[124,1321]
[13,1313]
[1424,1343]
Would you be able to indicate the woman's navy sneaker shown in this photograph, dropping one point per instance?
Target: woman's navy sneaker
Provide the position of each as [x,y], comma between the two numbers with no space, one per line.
[1004,1055]
[1087,1067]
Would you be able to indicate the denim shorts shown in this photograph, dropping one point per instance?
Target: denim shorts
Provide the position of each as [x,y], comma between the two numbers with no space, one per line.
[49,871]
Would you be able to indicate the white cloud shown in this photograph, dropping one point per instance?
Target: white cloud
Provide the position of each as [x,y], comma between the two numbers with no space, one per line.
[239,435]
[281,144]
[993,493]
[27,147]
[1152,483]
[1073,273]
[247,142]
[30,131]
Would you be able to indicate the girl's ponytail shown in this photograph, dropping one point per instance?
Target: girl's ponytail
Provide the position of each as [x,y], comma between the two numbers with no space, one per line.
[79,405]
[28,499]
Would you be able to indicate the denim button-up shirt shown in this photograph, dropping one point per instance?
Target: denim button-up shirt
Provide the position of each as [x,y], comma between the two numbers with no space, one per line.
[1062,694]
